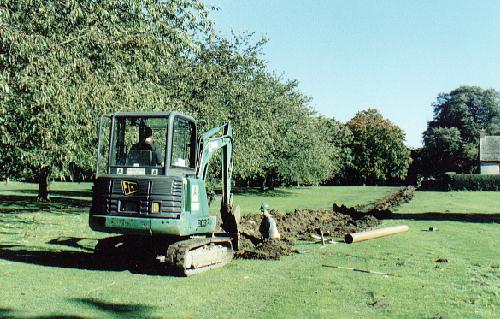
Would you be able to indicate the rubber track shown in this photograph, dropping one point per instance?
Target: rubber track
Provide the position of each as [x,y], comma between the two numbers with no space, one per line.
[176,254]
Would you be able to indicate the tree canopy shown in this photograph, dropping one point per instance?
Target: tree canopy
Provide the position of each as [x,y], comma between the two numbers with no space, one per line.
[62,64]
[460,117]
[379,154]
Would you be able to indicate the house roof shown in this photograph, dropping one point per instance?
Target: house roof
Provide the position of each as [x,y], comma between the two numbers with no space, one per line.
[489,149]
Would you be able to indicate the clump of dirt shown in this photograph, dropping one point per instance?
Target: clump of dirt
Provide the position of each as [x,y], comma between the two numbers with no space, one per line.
[293,226]
[269,249]
[378,304]
[441,260]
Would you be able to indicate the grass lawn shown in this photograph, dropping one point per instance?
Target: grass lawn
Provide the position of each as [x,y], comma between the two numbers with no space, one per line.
[44,273]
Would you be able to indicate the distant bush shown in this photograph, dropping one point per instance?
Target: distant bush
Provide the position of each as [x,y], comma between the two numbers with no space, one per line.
[473,182]
[439,184]
[462,182]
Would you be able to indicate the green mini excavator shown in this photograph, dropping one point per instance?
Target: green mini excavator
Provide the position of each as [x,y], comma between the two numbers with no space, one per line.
[150,183]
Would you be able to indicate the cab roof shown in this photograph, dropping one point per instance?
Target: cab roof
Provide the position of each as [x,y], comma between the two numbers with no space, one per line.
[150,113]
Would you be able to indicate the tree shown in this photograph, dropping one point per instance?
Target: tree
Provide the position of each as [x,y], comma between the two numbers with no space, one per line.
[64,63]
[339,137]
[301,155]
[445,147]
[452,137]
[379,154]
[275,131]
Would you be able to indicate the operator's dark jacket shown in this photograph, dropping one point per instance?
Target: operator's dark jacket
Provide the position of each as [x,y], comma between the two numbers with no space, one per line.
[157,157]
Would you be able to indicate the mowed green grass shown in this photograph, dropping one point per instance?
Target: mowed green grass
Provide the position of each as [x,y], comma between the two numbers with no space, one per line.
[288,199]
[43,273]
[458,202]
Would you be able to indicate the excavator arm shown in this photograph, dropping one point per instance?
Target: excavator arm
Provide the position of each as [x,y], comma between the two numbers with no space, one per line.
[221,138]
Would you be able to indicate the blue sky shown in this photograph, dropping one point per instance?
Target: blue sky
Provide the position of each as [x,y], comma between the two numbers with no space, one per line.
[395,56]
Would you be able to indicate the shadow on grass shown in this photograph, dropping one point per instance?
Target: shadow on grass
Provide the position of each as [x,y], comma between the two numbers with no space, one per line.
[59,259]
[6,312]
[8,233]
[14,204]
[117,309]
[55,316]
[268,193]
[10,313]
[58,193]
[136,260]
[460,217]
[70,242]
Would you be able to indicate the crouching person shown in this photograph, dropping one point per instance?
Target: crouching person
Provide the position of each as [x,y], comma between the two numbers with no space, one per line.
[268,227]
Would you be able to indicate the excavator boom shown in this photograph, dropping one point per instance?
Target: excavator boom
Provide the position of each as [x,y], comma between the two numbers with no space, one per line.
[221,138]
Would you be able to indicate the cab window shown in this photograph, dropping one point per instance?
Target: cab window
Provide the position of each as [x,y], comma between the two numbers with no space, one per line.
[139,145]
[183,143]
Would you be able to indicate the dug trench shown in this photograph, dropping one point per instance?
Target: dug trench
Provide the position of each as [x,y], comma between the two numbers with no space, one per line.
[294,226]
[308,224]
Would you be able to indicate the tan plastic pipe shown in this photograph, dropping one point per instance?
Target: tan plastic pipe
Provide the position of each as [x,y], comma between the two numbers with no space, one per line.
[356,237]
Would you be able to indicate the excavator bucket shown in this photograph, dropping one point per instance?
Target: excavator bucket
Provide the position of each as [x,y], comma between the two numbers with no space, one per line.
[230,217]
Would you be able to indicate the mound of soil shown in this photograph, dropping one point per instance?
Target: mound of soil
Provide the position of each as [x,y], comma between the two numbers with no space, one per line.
[297,225]
[302,223]
[269,249]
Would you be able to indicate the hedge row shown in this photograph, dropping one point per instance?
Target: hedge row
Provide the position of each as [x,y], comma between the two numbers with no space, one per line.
[462,182]
[473,182]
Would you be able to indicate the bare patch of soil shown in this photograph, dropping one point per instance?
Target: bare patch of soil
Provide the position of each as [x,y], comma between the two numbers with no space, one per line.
[269,249]
[300,224]
[293,226]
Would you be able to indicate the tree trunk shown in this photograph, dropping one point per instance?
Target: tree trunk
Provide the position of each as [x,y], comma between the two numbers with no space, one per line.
[263,184]
[270,181]
[43,185]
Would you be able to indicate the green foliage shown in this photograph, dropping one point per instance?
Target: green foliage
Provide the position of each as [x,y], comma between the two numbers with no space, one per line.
[379,155]
[473,182]
[452,137]
[463,182]
[302,156]
[65,63]
[417,165]
[275,132]
[62,64]
[447,150]
[339,137]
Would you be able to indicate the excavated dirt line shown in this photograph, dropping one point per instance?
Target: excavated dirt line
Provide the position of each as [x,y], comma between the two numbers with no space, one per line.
[300,224]
[381,208]
[293,226]
[394,199]
[402,195]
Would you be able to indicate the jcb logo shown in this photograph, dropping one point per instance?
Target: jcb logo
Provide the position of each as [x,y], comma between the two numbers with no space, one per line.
[129,188]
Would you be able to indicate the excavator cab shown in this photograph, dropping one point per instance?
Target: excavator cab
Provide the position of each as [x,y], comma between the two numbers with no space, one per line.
[150,181]
[147,144]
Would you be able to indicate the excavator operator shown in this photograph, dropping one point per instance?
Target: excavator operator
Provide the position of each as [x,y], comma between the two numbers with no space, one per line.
[147,145]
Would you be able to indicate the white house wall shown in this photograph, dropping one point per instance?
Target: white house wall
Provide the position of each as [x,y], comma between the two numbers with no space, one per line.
[490,168]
